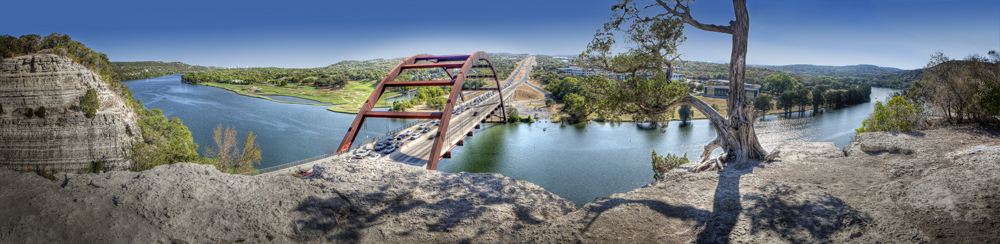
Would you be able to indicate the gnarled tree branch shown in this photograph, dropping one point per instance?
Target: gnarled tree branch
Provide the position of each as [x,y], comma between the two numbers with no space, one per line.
[682,12]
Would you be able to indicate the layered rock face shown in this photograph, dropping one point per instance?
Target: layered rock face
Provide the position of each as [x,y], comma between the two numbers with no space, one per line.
[65,140]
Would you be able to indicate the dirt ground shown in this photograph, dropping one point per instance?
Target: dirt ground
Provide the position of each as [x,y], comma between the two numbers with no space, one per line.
[525,93]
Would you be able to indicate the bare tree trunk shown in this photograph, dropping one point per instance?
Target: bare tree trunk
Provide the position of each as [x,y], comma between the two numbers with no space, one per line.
[736,134]
[741,142]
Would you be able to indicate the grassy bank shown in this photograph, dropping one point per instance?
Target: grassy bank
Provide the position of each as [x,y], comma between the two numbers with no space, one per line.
[346,100]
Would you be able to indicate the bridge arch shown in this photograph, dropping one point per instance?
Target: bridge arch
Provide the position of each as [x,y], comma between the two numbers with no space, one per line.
[464,64]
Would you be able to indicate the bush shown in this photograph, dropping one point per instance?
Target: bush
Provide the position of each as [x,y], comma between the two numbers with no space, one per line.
[897,115]
[548,103]
[41,112]
[512,115]
[1,108]
[97,166]
[89,103]
[663,164]
[31,112]
[165,141]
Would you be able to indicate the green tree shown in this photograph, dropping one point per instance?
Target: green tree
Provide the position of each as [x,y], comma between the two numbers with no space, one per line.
[802,99]
[89,103]
[787,101]
[576,107]
[40,112]
[548,103]
[165,141]
[763,103]
[30,43]
[685,113]
[817,99]
[715,107]
[896,115]
[779,83]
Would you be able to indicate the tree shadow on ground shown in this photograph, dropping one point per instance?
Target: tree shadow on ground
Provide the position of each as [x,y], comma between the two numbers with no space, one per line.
[805,217]
[346,215]
[794,217]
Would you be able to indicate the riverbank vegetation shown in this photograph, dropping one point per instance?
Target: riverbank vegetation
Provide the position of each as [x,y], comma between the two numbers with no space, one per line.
[346,84]
[956,91]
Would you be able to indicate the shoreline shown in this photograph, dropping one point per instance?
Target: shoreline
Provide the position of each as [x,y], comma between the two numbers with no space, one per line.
[331,107]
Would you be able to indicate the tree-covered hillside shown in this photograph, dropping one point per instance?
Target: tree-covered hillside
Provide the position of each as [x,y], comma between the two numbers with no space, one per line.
[855,74]
[705,71]
[122,71]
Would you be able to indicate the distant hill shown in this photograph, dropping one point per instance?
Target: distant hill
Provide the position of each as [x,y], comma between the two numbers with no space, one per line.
[855,74]
[122,71]
[705,71]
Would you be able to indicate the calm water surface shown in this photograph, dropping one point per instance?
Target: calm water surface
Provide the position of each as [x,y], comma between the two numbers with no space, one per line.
[285,132]
[577,162]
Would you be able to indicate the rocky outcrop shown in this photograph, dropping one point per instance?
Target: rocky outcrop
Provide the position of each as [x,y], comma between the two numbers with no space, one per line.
[947,190]
[65,140]
[353,201]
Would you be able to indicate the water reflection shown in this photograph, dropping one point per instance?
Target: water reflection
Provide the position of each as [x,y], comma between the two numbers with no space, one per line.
[582,161]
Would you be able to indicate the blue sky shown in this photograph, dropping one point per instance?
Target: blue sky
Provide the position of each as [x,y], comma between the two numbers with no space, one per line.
[304,34]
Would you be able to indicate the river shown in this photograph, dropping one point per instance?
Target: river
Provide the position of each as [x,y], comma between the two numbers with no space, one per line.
[577,162]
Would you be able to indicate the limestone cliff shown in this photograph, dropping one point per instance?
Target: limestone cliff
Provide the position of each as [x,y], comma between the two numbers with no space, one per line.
[65,140]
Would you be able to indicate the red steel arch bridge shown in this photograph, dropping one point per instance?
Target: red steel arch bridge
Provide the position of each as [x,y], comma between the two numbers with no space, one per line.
[460,115]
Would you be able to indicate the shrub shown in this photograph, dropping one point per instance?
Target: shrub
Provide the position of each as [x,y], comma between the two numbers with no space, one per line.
[41,112]
[1,108]
[548,103]
[165,141]
[897,115]
[31,112]
[45,173]
[663,164]
[89,103]
[97,166]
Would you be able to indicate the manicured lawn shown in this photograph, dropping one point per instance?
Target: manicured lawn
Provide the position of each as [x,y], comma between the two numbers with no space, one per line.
[347,100]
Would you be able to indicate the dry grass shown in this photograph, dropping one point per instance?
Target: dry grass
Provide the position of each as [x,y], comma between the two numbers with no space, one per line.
[536,82]
[525,93]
